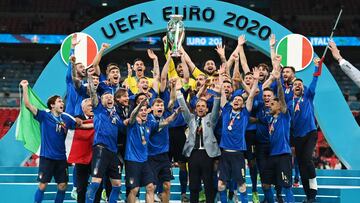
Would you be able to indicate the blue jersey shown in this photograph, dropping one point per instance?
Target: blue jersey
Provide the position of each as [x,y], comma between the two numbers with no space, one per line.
[103,87]
[279,130]
[159,140]
[179,120]
[53,133]
[234,127]
[135,149]
[73,99]
[106,124]
[262,126]
[252,126]
[302,111]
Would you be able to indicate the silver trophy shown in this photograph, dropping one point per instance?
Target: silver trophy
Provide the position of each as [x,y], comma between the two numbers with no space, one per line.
[175,34]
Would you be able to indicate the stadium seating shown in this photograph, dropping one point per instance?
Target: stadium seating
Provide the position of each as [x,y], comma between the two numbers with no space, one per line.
[7,118]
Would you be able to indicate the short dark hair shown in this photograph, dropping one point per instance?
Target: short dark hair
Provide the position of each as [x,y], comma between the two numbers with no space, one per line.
[265,66]
[292,68]
[276,99]
[268,89]
[298,79]
[249,73]
[157,100]
[138,95]
[111,66]
[52,100]
[138,59]
[120,92]
[227,81]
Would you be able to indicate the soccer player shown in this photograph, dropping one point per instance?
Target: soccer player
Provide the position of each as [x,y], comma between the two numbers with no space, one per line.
[53,127]
[278,169]
[305,132]
[137,169]
[347,67]
[201,145]
[235,119]
[105,160]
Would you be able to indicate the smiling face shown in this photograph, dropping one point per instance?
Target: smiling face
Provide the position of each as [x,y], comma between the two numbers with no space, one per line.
[249,80]
[143,85]
[158,108]
[200,81]
[123,99]
[227,89]
[80,70]
[143,112]
[107,100]
[274,107]
[210,67]
[87,107]
[298,88]
[288,74]
[263,73]
[139,68]
[96,80]
[114,76]
[267,97]
[180,70]
[201,108]
[237,103]
[58,106]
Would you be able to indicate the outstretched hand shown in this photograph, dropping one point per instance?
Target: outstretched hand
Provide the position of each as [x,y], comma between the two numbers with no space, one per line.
[220,49]
[74,41]
[241,40]
[151,54]
[272,40]
[334,50]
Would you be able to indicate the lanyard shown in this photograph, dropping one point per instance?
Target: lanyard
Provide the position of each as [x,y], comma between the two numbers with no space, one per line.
[113,116]
[271,125]
[59,123]
[297,106]
[232,119]
[142,132]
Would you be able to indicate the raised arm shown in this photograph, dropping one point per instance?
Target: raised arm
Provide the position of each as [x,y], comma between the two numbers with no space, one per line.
[243,60]
[272,43]
[280,90]
[135,112]
[350,70]
[252,93]
[32,109]
[98,56]
[172,94]
[312,86]
[221,52]
[93,94]
[169,119]
[185,110]
[186,72]
[164,73]
[156,70]
[193,69]
[75,79]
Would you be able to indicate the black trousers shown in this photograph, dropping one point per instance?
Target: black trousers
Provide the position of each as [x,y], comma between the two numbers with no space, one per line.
[201,169]
[83,172]
[304,149]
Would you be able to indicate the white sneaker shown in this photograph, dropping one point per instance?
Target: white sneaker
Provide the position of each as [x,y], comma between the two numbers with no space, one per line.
[74,193]
[137,200]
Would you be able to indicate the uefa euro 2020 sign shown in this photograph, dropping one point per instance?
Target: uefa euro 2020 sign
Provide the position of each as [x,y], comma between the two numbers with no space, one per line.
[221,18]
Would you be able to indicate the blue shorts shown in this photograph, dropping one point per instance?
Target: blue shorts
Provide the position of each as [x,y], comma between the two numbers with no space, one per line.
[138,174]
[232,167]
[51,167]
[105,162]
[161,167]
[278,170]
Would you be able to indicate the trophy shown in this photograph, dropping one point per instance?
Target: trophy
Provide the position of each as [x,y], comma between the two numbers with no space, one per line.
[175,34]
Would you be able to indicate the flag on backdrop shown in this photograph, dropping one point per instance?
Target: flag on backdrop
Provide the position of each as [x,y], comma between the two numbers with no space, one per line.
[296,50]
[27,128]
[85,51]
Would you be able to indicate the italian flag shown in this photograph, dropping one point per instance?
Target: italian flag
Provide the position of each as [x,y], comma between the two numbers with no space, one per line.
[85,51]
[296,50]
[78,144]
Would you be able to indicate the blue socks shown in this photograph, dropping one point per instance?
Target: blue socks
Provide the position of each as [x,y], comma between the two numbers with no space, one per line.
[60,195]
[74,177]
[114,195]
[269,195]
[253,176]
[183,180]
[244,197]
[223,196]
[39,194]
[289,196]
[91,191]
